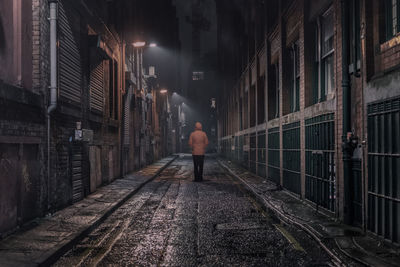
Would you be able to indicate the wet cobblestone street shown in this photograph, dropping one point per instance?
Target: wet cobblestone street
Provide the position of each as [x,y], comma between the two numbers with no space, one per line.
[173,221]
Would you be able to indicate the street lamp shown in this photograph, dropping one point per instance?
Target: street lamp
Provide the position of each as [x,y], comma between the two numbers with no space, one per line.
[139,44]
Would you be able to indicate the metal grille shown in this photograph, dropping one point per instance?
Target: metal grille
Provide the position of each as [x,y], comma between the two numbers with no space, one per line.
[245,161]
[384,169]
[77,179]
[230,151]
[356,192]
[291,157]
[70,70]
[241,143]
[127,116]
[320,161]
[97,84]
[261,154]
[253,152]
[273,155]
[236,148]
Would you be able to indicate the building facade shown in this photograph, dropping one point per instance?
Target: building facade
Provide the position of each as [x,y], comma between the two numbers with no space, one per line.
[309,98]
[100,125]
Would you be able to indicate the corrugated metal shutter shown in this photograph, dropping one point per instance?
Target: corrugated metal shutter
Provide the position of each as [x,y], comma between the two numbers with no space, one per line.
[97,84]
[77,180]
[70,68]
[127,116]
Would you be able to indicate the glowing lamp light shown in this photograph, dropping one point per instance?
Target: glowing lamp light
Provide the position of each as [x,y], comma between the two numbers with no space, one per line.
[163,91]
[153,45]
[139,44]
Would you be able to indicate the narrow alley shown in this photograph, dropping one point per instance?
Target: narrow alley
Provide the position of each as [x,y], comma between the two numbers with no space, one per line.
[174,222]
[200,133]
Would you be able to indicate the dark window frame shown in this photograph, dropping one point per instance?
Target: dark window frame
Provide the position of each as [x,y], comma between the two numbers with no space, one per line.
[392,24]
[324,57]
[355,37]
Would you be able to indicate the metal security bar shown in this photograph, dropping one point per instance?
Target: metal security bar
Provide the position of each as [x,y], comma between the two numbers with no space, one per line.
[253,152]
[273,155]
[241,143]
[291,157]
[76,172]
[245,161]
[261,154]
[320,161]
[236,149]
[384,169]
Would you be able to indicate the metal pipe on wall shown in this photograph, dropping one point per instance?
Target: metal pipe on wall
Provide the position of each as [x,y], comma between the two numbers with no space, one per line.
[346,118]
[53,83]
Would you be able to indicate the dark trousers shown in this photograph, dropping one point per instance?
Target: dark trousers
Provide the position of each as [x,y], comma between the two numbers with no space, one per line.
[198,162]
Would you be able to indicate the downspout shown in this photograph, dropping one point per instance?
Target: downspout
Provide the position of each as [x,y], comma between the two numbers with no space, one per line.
[347,149]
[53,84]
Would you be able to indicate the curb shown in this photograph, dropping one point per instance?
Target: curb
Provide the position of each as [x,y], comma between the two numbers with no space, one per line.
[337,261]
[49,260]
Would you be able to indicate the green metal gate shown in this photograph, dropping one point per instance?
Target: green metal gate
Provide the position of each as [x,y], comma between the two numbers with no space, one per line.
[241,143]
[253,152]
[273,155]
[320,161]
[245,161]
[261,166]
[236,148]
[384,169]
[291,157]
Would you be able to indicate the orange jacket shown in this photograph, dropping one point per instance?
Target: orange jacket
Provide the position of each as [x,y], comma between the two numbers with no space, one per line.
[198,141]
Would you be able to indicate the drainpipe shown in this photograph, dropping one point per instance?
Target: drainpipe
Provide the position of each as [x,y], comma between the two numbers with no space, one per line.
[53,84]
[347,147]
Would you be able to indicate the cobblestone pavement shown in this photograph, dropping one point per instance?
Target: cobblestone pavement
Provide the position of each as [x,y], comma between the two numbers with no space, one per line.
[173,221]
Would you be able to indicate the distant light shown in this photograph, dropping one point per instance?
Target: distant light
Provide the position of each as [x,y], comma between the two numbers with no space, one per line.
[139,44]
[163,91]
[153,45]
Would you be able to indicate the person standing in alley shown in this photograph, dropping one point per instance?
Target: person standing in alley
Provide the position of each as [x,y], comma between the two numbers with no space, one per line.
[198,141]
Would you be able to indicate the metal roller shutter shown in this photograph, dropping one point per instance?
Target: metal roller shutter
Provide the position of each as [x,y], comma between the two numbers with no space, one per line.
[97,84]
[77,179]
[70,69]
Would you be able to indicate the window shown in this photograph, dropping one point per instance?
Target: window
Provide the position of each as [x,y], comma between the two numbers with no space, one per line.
[392,9]
[198,75]
[295,89]
[261,100]
[273,92]
[323,69]
[355,37]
